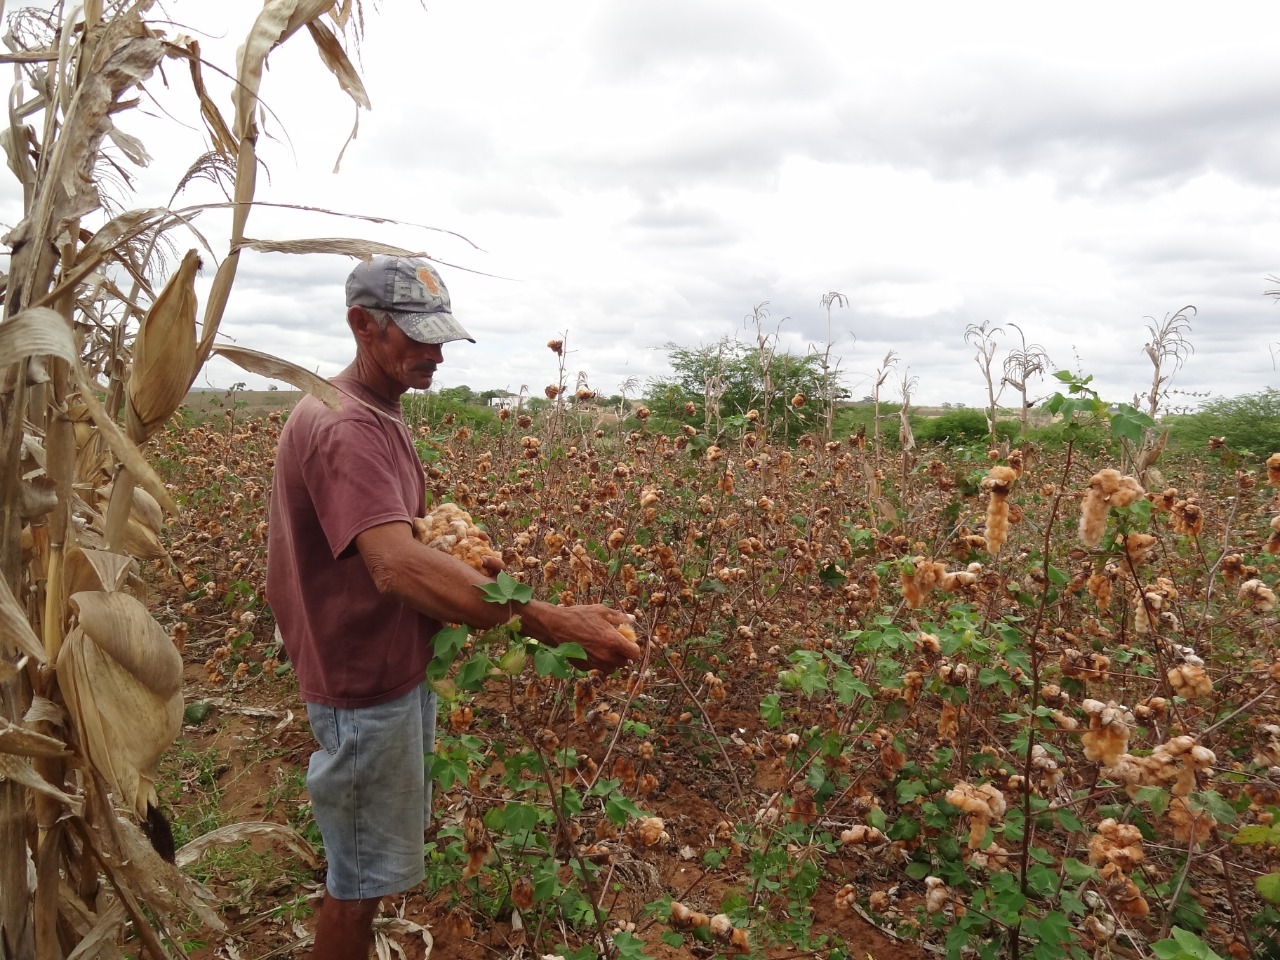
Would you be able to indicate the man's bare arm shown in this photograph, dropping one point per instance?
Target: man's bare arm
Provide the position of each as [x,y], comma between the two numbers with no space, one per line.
[441,586]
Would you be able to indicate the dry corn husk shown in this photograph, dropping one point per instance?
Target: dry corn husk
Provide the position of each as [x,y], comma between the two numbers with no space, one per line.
[122,678]
[164,354]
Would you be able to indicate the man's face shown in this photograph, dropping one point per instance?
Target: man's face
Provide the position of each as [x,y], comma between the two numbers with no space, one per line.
[406,361]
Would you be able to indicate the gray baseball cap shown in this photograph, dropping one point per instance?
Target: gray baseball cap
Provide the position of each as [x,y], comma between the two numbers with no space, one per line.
[412,292]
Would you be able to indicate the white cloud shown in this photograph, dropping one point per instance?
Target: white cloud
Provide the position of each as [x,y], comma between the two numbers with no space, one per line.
[634,174]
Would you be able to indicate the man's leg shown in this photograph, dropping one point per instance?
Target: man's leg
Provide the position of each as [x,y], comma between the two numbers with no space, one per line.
[344,929]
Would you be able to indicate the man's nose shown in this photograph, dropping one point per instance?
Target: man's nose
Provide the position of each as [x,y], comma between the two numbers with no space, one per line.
[435,353]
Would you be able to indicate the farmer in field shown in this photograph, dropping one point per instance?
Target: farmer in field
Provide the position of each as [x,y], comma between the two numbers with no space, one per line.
[358,599]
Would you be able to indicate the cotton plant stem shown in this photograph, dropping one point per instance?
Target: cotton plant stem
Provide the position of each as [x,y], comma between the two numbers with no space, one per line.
[1028,824]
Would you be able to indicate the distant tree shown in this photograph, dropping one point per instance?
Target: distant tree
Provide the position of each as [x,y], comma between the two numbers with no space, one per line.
[732,373]
[1023,363]
[982,336]
[462,394]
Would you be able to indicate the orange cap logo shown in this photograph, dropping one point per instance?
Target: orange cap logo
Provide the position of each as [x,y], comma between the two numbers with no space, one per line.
[428,281]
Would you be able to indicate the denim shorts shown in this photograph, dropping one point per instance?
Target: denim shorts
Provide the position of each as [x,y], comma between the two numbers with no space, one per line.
[369,793]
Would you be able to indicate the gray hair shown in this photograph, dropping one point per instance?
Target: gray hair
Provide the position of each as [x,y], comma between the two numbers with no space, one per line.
[380,317]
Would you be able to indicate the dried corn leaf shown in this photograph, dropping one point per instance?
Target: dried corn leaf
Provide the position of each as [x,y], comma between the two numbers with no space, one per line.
[16,635]
[278,21]
[38,331]
[28,743]
[19,770]
[128,54]
[219,132]
[335,58]
[158,884]
[124,449]
[164,353]
[237,833]
[348,246]
[99,939]
[266,365]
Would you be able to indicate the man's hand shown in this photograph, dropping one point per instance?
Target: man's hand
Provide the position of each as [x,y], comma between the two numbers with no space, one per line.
[592,627]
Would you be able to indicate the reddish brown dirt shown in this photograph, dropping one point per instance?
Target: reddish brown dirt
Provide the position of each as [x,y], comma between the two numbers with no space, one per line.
[249,765]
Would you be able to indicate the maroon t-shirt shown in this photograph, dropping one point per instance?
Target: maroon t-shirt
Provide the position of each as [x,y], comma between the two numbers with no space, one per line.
[338,473]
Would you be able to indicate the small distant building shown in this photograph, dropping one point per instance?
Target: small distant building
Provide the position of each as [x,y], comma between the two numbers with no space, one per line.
[507,401]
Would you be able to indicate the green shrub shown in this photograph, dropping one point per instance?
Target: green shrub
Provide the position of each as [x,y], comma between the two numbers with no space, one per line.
[1250,423]
[960,428]
[432,409]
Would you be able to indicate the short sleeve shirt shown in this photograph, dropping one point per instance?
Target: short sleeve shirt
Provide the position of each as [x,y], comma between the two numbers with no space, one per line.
[337,474]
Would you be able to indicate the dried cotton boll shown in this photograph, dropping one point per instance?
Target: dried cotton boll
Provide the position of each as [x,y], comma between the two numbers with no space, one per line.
[1273,470]
[1257,596]
[1189,681]
[993,858]
[1190,827]
[983,804]
[1107,488]
[860,835]
[449,528]
[928,643]
[1138,547]
[1117,843]
[1188,518]
[999,480]
[682,918]
[936,895]
[1122,893]
[1107,738]
[1048,767]
[997,528]
[845,898]
[1153,708]
[949,722]
[919,578]
[1093,518]
[1099,929]
[650,831]
[1144,606]
[1100,585]
[1273,539]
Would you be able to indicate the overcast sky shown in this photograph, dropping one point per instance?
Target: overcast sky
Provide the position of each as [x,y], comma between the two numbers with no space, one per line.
[633,173]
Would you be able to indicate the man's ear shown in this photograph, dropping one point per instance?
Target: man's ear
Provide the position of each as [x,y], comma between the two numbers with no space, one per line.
[361,322]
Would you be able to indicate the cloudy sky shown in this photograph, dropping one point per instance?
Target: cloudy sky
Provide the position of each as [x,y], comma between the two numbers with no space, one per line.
[633,173]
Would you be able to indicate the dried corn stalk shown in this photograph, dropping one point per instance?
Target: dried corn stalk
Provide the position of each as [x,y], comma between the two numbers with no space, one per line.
[90,684]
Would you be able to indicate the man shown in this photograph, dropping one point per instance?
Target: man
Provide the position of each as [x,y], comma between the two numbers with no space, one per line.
[358,599]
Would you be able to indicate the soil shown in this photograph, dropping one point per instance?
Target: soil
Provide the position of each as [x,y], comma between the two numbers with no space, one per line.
[248,756]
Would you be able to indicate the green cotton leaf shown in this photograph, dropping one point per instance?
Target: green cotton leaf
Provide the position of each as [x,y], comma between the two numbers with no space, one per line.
[1214,804]
[917,871]
[1069,821]
[1127,427]
[473,674]
[506,589]
[554,661]
[847,686]
[903,829]
[831,576]
[876,818]
[1155,797]
[619,809]
[771,710]
[1255,833]
[1269,888]
[1076,871]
